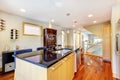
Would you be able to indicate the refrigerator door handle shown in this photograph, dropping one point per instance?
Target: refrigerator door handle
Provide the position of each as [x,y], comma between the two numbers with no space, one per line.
[117,44]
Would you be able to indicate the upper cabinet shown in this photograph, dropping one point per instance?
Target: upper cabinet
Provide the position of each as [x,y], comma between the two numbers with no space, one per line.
[50,37]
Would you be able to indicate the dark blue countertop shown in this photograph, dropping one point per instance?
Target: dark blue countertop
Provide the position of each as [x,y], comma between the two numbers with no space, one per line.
[44,58]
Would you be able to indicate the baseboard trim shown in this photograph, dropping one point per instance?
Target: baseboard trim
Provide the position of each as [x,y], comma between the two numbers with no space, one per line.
[108,61]
[116,76]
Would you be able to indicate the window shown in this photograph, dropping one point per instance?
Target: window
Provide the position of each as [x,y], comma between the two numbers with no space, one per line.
[63,38]
[31,29]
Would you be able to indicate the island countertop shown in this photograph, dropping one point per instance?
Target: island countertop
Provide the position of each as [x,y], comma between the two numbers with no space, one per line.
[44,58]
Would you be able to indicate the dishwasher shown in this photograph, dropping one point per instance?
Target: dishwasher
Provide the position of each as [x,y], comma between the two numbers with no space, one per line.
[78,58]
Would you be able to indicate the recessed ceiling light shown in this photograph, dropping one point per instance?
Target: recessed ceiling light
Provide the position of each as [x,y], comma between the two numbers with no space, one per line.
[68,14]
[52,20]
[22,10]
[90,15]
[94,21]
[58,4]
[75,21]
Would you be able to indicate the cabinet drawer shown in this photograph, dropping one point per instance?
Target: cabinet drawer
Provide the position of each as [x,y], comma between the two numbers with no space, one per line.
[9,67]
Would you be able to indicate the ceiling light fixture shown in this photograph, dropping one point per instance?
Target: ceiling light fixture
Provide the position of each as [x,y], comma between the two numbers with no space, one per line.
[22,10]
[68,14]
[52,20]
[94,21]
[90,15]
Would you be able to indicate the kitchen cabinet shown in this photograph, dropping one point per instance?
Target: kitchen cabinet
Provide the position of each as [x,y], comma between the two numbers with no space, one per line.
[70,67]
[50,38]
[62,70]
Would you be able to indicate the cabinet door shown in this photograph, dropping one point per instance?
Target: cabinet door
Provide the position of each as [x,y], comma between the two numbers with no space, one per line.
[70,67]
[62,70]
[56,72]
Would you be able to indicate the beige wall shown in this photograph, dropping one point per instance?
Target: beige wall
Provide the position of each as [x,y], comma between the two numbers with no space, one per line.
[103,31]
[74,39]
[106,36]
[15,22]
[95,29]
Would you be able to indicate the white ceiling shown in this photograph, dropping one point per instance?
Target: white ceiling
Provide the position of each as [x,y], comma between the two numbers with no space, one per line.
[44,10]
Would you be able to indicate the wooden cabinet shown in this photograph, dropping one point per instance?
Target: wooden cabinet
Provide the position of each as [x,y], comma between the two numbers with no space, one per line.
[50,37]
[70,67]
[63,70]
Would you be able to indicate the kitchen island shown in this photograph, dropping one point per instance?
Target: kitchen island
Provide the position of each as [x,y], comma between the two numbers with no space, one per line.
[45,65]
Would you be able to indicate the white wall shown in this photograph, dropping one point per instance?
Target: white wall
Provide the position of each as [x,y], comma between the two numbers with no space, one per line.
[115,29]
[74,39]
[70,38]
[15,22]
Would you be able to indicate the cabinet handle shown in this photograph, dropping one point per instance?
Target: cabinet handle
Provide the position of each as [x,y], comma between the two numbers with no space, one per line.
[53,68]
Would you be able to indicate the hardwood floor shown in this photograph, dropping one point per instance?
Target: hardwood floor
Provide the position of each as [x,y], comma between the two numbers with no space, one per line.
[92,68]
[8,76]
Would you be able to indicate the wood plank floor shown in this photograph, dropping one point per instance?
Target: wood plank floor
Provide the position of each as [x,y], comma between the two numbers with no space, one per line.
[92,68]
[8,76]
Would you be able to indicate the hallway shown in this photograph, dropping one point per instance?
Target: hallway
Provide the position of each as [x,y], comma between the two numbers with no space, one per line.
[93,68]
